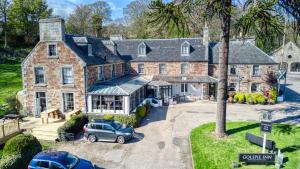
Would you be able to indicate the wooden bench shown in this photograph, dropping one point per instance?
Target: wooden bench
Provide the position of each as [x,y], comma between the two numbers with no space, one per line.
[72,113]
[50,113]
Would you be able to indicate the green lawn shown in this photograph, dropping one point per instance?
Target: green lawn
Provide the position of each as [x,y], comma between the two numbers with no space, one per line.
[211,153]
[10,81]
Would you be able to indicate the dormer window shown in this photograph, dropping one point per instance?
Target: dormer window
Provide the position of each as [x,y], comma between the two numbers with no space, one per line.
[185,49]
[142,49]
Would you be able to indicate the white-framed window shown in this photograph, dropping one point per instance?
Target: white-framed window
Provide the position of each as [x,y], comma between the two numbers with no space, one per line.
[162,69]
[232,70]
[52,50]
[254,87]
[113,71]
[68,102]
[184,87]
[255,70]
[142,49]
[232,86]
[141,68]
[39,75]
[67,75]
[184,68]
[185,49]
[100,73]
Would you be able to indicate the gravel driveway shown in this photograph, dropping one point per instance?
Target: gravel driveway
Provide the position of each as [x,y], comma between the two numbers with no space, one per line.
[163,137]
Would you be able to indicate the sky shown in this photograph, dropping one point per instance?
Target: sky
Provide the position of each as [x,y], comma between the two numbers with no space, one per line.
[65,7]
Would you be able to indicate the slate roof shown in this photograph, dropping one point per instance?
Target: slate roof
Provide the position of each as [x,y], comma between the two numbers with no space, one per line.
[185,79]
[240,53]
[123,86]
[101,53]
[165,50]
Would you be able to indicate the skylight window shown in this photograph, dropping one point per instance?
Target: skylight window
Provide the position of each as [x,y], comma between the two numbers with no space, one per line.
[185,49]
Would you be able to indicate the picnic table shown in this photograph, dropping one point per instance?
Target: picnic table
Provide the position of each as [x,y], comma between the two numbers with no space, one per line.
[50,113]
[12,116]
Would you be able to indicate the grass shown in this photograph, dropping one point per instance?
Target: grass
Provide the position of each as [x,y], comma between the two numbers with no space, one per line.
[10,81]
[211,153]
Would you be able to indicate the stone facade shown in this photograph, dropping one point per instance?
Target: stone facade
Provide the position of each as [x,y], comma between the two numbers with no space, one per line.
[291,56]
[53,86]
[172,68]
[245,71]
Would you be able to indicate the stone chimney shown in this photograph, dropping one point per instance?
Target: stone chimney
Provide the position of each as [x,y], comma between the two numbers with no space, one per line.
[52,29]
[206,40]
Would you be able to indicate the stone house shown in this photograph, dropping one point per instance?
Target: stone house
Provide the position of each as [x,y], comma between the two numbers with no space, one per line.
[290,59]
[114,76]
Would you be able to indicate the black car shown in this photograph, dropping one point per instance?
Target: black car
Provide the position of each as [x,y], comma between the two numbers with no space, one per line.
[107,130]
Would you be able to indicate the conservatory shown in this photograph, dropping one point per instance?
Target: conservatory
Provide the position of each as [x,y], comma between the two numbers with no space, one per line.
[117,96]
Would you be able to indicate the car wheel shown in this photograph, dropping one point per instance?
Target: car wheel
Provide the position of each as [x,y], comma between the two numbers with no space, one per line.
[92,138]
[121,140]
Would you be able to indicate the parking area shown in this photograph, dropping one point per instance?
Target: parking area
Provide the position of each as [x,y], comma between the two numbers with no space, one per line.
[163,138]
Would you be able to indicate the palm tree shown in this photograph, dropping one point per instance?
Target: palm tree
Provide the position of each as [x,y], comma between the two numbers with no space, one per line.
[268,21]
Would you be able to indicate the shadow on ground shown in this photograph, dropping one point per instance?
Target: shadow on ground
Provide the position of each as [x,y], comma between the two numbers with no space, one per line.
[156,114]
[243,128]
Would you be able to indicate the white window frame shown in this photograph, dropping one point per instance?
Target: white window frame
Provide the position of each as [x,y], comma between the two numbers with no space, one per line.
[56,50]
[100,77]
[63,101]
[252,70]
[142,49]
[139,68]
[235,88]
[159,70]
[34,71]
[185,49]
[62,75]
[187,68]
[236,70]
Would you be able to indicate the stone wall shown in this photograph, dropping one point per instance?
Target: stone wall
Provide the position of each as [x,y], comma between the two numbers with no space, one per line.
[245,71]
[53,77]
[172,68]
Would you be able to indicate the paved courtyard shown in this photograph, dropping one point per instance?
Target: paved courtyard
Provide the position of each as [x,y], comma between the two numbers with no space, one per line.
[164,135]
[293,88]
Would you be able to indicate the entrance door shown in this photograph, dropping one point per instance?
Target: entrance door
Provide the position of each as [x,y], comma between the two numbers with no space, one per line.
[40,103]
[165,94]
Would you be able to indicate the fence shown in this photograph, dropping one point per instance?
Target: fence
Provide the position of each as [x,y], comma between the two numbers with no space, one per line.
[9,129]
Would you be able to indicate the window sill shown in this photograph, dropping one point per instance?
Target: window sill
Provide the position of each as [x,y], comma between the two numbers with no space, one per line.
[52,57]
[68,85]
[40,85]
[256,75]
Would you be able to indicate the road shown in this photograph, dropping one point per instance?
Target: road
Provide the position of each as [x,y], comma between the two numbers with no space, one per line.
[292,92]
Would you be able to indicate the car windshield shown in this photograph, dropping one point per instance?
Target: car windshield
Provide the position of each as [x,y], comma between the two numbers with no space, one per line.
[117,126]
[70,161]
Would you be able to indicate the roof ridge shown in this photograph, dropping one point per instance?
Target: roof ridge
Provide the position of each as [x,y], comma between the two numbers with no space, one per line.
[158,39]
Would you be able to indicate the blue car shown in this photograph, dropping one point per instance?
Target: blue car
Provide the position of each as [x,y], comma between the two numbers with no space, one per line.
[58,160]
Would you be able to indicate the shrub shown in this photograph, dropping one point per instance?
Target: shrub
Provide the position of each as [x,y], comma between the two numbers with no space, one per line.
[141,111]
[239,97]
[13,105]
[131,120]
[73,126]
[12,162]
[148,107]
[273,94]
[108,116]
[23,145]
[259,98]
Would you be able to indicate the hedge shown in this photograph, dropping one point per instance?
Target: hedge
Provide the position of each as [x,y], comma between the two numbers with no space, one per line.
[19,151]
[141,111]
[72,126]
[12,162]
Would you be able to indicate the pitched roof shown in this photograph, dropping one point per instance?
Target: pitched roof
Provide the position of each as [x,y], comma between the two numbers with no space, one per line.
[240,52]
[100,50]
[166,50]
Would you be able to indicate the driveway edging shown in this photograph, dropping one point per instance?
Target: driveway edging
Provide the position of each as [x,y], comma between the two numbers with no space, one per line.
[191,150]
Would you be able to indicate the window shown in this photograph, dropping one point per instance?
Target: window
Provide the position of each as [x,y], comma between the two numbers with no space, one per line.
[232,70]
[118,102]
[255,70]
[232,87]
[254,87]
[184,68]
[142,49]
[141,68]
[56,166]
[97,126]
[52,50]
[162,69]
[68,101]
[100,73]
[295,67]
[184,87]
[39,75]
[113,71]
[185,49]
[107,127]
[290,56]
[67,74]
[42,164]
